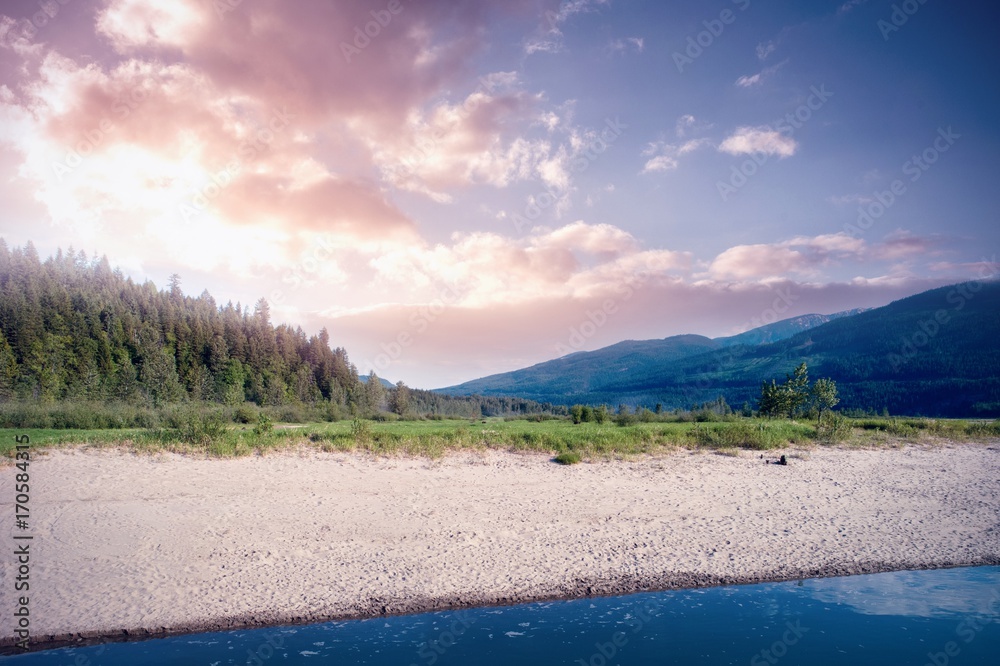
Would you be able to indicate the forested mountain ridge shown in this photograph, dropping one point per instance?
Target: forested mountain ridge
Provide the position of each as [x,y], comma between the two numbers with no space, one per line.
[581,372]
[73,328]
[784,329]
[936,353]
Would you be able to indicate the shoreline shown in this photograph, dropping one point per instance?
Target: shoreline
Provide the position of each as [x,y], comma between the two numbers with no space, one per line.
[141,547]
[418,607]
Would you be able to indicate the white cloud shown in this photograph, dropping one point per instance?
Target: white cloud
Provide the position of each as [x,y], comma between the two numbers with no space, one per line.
[850,5]
[131,24]
[636,44]
[684,123]
[549,36]
[750,140]
[749,81]
[849,199]
[539,45]
[663,155]
[469,143]
[759,77]
[572,261]
[764,49]
[663,162]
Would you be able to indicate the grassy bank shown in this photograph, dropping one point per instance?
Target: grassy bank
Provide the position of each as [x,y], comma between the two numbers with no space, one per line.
[212,434]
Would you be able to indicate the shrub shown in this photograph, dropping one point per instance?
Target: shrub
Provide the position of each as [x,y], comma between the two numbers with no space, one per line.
[361,430]
[198,428]
[244,414]
[743,435]
[625,419]
[77,416]
[836,428]
[263,425]
[292,414]
[984,429]
[568,458]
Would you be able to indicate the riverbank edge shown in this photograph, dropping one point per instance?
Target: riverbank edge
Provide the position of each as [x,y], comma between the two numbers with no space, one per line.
[571,590]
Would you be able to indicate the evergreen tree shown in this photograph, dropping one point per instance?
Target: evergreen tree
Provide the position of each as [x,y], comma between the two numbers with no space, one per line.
[788,398]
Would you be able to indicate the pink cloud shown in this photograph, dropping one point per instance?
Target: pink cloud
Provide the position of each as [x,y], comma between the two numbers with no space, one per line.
[750,261]
[331,205]
[311,54]
[903,245]
[806,255]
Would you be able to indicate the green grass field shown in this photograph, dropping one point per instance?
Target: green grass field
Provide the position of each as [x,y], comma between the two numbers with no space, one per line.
[557,437]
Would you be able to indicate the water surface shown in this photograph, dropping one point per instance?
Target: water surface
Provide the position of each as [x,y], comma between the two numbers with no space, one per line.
[939,617]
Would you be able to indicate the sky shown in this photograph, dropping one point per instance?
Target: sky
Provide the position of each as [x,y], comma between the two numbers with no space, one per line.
[458,188]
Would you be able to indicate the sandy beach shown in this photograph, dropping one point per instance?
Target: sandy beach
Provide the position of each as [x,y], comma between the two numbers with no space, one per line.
[147,544]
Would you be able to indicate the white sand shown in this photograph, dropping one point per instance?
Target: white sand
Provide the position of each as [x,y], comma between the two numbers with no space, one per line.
[154,543]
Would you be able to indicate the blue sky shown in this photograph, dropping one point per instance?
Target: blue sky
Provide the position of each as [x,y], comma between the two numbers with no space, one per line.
[463,190]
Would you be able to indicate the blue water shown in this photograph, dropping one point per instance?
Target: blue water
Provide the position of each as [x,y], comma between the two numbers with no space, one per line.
[947,617]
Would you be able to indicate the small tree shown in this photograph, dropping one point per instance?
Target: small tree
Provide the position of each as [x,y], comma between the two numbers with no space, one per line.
[787,398]
[773,399]
[374,393]
[798,386]
[576,411]
[399,398]
[824,396]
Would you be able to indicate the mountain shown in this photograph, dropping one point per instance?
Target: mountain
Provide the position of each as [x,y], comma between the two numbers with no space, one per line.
[382,380]
[786,328]
[581,373]
[936,353]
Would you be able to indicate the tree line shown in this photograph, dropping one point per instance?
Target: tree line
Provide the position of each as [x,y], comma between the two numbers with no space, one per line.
[72,328]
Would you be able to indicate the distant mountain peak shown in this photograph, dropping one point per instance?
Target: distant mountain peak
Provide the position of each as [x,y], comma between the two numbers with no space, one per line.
[786,328]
